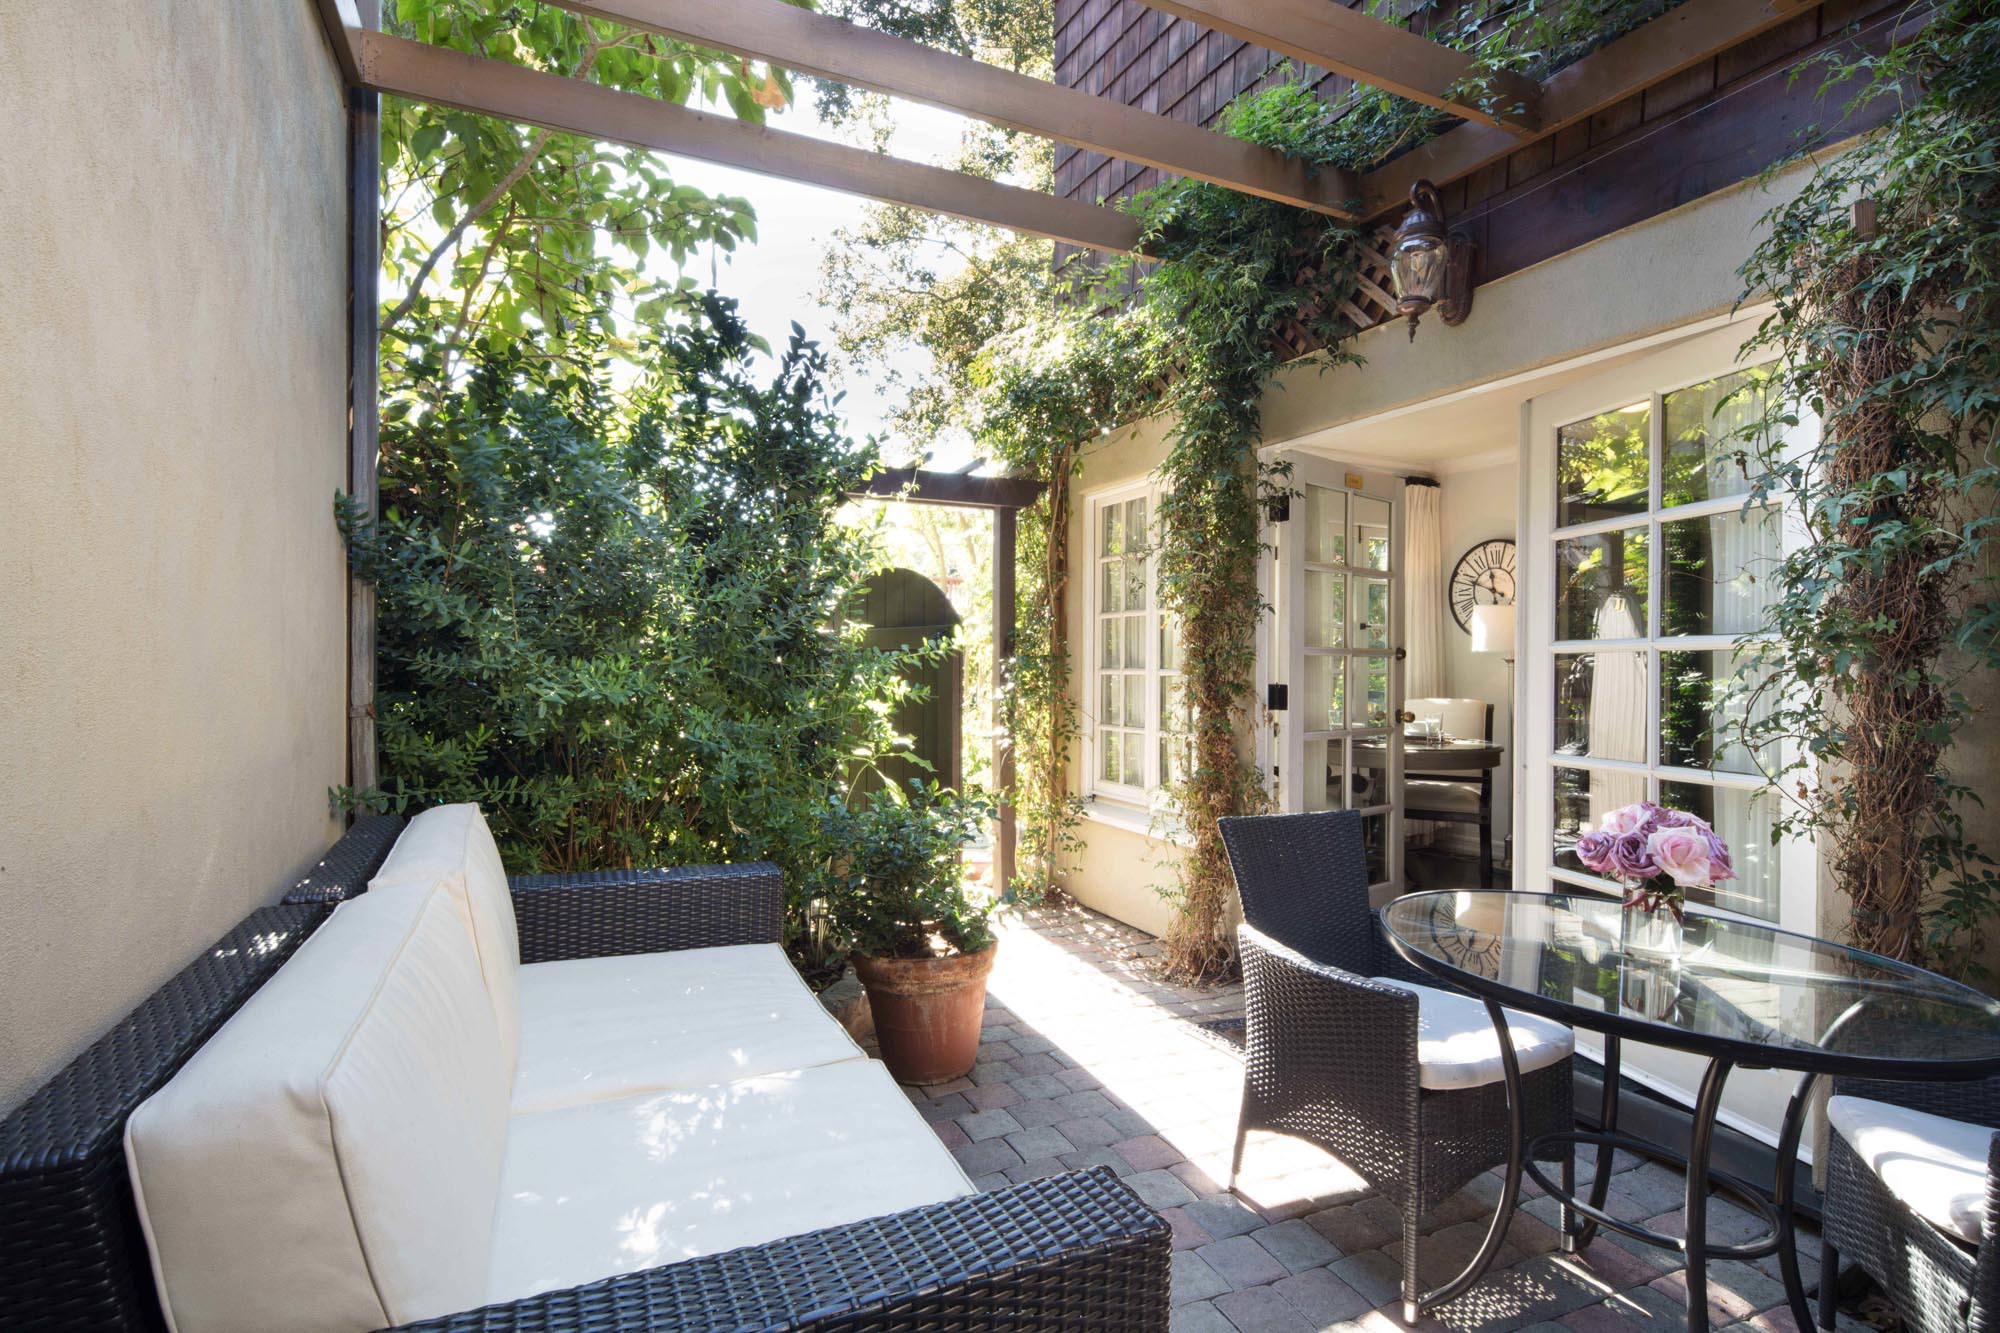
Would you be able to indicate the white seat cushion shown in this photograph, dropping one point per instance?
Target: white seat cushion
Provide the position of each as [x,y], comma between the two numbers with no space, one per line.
[330,1159]
[1935,1166]
[611,1187]
[599,1028]
[1453,796]
[451,843]
[1458,1048]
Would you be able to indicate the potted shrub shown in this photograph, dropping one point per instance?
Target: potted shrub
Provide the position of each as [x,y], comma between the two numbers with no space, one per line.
[920,939]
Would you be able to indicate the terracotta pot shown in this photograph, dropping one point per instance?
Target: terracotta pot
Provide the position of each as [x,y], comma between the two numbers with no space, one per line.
[927,1012]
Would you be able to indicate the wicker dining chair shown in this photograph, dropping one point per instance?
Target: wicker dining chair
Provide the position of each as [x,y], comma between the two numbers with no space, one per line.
[1333,1035]
[1899,1151]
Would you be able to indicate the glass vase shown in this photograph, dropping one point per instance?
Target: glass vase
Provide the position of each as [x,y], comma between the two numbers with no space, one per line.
[1650,934]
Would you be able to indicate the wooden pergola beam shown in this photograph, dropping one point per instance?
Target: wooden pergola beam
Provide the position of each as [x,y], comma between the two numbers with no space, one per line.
[830,48]
[435,75]
[1346,41]
[961,490]
[1677,40]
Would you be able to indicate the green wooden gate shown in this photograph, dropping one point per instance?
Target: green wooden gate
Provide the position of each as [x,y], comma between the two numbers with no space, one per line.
[902,608]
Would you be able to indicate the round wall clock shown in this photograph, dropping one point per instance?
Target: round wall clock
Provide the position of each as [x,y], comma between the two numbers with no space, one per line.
[1483,576]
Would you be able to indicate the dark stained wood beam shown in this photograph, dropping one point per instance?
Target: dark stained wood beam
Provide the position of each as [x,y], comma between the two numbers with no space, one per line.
[830,48]
[340,17]
[1346,41]
[1678,40]
[961,489]
[435,75]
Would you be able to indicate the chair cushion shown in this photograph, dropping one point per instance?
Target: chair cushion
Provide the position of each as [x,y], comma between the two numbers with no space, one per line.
[611,1187]
[1454,796]
[331,1157]
[599,1028]
[452,843]
[1462,719]
[1458,1048]
[1935,1166]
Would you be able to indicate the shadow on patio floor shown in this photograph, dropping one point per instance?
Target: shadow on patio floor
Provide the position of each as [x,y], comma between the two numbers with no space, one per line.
[1089,1058]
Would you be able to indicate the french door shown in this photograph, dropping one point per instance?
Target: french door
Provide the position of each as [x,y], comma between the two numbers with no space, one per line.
[1644,563]
[1336,656]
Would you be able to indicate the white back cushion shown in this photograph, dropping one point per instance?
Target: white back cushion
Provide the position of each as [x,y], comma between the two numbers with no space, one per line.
[330,1159]
[451,843]
[1463,719]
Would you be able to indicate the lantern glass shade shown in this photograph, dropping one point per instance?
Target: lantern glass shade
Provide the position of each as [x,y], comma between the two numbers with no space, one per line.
[1418,270]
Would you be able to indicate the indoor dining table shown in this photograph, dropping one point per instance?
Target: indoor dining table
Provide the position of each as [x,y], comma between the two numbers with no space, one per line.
[1735,992]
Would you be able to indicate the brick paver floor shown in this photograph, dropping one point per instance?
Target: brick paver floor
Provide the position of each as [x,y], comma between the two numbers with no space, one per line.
[1089,1058]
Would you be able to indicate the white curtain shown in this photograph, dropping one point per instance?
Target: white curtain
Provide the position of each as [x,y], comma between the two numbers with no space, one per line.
[1423,590]
[1617,708]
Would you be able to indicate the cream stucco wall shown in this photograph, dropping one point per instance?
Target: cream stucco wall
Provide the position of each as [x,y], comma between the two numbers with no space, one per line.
[172,401]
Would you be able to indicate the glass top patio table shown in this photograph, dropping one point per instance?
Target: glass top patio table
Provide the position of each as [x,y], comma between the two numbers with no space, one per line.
[1736,989]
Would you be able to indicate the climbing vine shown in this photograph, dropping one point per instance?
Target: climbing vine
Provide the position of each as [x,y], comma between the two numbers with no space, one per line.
[1886,270]
[1193,332]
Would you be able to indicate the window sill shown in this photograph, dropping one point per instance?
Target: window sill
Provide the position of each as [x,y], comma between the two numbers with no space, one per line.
[1134,819]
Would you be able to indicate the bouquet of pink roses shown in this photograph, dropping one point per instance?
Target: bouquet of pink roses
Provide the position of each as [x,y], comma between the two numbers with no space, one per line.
[1657,854]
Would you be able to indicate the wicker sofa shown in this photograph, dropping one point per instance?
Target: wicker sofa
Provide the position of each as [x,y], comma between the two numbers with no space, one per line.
[301,1165]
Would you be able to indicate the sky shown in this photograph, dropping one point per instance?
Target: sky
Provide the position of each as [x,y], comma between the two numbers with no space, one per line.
[775,280]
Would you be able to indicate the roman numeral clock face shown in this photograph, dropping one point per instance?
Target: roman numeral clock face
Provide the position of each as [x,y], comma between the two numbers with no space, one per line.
[1484,576]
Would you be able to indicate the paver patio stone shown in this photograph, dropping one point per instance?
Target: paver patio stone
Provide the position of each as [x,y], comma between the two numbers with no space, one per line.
[1200,1317]
[1083,1159]
[992,1071]
[1042,1141]
[1039,1111]
[1040,1086]
[1350,1229]
[1078,1080]
[950,1135]
[1193,1279]
[945,1107]
[1188,1233]
[1160,1189]
[1036,1169]
[1224,1215]
[1242,1261]
[982,1125]
[1262,1310]
[1296,1245]
[1372,1273]
[993,1096]
[1126,1122]
[1148,1152]
[985,1157]
[1321,1297]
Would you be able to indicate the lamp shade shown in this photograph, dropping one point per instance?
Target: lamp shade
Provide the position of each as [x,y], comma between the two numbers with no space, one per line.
[1493,629]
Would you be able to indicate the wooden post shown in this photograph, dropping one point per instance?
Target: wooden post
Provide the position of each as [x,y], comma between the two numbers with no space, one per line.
[1004,521]
[364,166]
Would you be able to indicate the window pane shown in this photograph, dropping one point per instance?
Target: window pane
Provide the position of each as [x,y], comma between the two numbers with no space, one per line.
[1371,691]
[1112,540]
[1326,526]
[1326,603]
[1137,537]
[1170,644]
[1111,700]
[1135,758]
[1135,700]
[1706,458]
[1369,542]
[1135,642]
[1602,466]
[1324,707]
[1371,613]
[1111,588]
[1375,837]
[1135,585]
[1111,647]
[1704,698]
[1582,799]
[1601,586]
[1601,705]
[1168,769]
[1323,784]
[1720,572]
[1171,704]
[1744,820]
[1111,765]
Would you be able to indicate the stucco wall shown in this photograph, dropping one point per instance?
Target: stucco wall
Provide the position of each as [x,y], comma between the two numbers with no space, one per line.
[172,399]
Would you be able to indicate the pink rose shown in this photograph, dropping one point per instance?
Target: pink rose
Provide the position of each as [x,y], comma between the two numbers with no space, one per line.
[1625,819]
[1683,852]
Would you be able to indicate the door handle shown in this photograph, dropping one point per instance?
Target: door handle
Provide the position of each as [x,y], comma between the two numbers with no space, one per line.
[1402,653]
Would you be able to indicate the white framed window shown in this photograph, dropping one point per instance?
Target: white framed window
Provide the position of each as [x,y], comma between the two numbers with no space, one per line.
[1134,716]
[1652,565]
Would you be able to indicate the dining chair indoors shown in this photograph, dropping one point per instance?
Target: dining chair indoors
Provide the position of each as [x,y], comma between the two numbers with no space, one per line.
[1352,1049]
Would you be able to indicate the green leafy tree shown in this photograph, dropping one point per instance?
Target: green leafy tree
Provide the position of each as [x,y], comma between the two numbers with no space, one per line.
[614,623]
[498,233]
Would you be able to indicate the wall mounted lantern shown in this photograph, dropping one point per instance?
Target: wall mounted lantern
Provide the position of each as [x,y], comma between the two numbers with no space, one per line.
[1430,267]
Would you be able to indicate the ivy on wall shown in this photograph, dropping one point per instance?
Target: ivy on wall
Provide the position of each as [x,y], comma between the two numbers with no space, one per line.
[1888,329]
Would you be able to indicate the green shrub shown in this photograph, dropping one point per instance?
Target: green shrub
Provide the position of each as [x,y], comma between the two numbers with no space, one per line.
[900,888]
[612,619]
